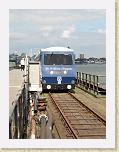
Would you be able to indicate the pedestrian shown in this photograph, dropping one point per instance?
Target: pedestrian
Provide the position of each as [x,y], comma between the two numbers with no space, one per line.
[22,64]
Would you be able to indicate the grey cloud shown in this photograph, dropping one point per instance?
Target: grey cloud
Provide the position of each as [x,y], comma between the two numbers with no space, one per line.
[53,17]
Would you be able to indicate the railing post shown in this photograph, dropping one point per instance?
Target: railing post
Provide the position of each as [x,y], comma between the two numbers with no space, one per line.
[24,107]
[77,78]
[15,124]
[94,83]
[21,126]
[89,82]
[18,119]
[86,82]
[10,133]
[26,95]
[22,116]
[80,77]
[97,84]
[83,80]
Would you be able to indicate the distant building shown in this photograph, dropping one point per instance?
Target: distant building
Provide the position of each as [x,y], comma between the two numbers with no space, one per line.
[81,56]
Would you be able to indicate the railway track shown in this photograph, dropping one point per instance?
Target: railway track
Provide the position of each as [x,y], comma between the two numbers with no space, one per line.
[80,121]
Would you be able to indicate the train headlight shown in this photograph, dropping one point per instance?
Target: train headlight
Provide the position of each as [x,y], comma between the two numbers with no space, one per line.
[65,72]
[48,86]
[68,86]
[51,72]
[72,82]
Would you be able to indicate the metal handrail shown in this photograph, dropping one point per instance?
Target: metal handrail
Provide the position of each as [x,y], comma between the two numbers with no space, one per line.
[91,83]
[18,113]
[16,116]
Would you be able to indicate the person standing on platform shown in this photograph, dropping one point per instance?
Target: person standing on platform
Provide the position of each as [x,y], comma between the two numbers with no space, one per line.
[22,64]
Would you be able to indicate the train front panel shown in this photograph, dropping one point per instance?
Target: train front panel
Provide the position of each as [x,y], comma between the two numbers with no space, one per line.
[58,77]
[58,71]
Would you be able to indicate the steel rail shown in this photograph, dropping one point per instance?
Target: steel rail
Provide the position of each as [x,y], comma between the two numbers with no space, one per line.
[72,130]
[94,113]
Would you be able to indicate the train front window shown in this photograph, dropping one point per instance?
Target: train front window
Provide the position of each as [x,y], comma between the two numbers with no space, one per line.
[58,59]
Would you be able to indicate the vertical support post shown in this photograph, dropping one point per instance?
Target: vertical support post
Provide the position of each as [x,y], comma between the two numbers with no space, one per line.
[20,116]
[18,120]
[83,80]
[24,111]
[10,133]
[21,126]
[26,94]
[89,82]
[80,77]
[86,85]
[97,84]
[15,124]
[94,83]
[77,78]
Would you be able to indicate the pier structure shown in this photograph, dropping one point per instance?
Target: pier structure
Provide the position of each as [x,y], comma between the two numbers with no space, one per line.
[34,114]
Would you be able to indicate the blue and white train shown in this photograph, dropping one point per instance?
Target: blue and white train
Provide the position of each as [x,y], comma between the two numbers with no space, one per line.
[58,71]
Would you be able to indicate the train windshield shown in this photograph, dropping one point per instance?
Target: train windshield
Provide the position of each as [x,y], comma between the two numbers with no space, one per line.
[58,59]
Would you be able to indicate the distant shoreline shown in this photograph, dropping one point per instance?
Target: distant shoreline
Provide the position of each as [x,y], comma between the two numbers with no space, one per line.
[88,63]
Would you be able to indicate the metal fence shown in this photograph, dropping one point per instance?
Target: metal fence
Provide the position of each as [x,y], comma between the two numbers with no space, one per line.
[18,114]
[95,84]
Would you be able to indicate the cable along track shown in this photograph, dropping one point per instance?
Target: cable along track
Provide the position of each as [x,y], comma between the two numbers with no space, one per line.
[82,122]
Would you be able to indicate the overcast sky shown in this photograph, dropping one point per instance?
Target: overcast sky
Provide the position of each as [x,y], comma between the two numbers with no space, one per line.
[83,30]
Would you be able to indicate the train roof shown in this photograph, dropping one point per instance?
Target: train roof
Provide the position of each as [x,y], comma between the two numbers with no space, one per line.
[56,49]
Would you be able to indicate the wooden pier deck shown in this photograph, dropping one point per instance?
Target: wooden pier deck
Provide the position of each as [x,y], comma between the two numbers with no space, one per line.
[16,80]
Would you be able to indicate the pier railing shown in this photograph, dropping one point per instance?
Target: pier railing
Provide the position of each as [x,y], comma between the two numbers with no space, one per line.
[95,84]
[18,114]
